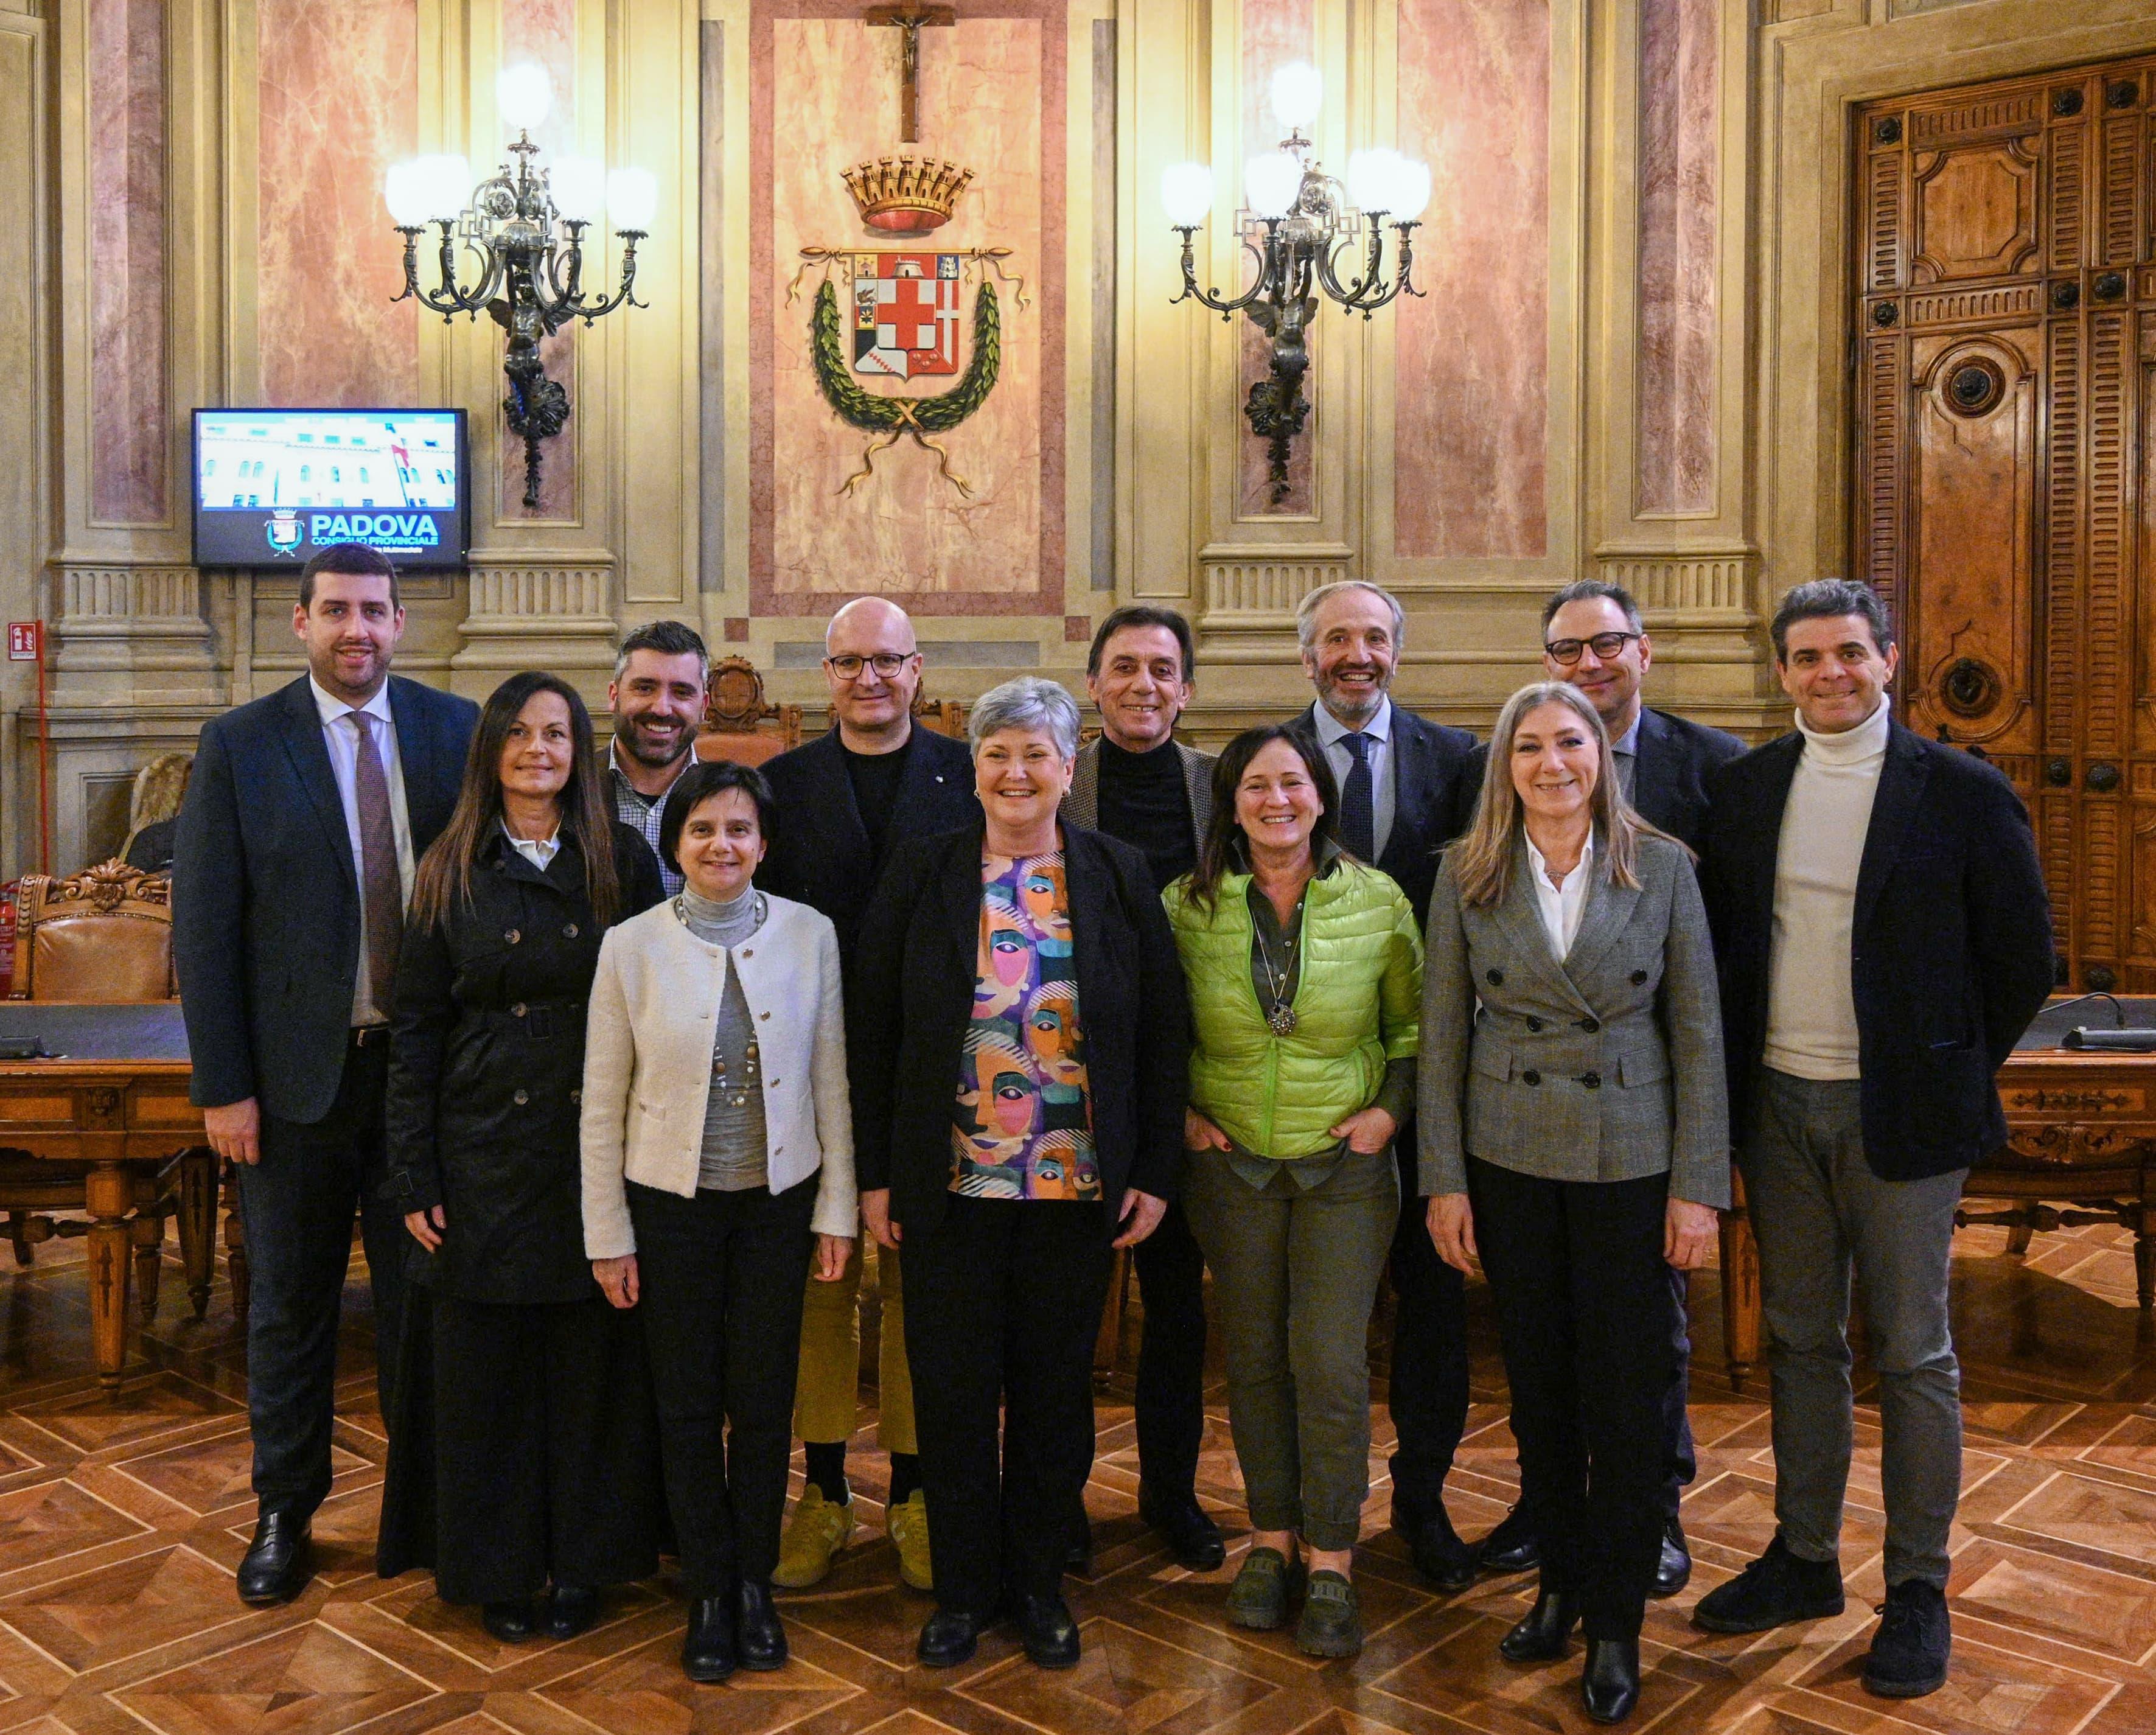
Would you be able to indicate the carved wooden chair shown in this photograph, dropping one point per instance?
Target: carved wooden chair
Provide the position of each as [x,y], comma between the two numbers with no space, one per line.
[104,935]
[945,716]
[739,724]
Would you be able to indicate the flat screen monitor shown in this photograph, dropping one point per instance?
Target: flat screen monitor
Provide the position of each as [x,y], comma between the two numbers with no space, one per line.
[273,487]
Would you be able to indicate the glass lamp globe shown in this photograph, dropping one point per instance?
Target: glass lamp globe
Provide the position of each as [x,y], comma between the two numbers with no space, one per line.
[1374,180]
[1271,183]
[1415,191]
[1298,88]
[632,199]
[404,190]
[523,96]
[1186,193]
[577,186]
[443,184]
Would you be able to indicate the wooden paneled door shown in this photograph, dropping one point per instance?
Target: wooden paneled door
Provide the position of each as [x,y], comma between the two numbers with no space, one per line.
[2005,349]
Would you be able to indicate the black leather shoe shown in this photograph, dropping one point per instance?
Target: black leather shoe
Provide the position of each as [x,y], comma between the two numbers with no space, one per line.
[278,1562]
[513,1622]
[1440,1555]
[1776,1588]
[1610,1686]
[1046,1630]
[1545,1634]
[1192,1538]
[1512,1547]
[571,1609]
[1673,1565]
[708,1653]
[949,1638]
[758,1628]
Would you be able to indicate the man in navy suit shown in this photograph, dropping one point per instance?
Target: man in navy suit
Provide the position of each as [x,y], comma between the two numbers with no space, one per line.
[1407,788]
[1883,939]
[1593,636]
[305,816]
[845,801]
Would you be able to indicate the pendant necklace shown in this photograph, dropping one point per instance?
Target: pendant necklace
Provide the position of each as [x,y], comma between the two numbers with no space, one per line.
[1281,1018]
[750,1062]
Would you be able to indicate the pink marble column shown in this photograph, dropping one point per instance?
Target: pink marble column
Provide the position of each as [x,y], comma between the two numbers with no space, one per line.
[1680,134]
[1470,431]
[130,414]
[1275,32]
[338,102]
[545,31]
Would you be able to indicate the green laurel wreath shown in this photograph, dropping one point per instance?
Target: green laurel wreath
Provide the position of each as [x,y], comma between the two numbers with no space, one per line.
[892,417]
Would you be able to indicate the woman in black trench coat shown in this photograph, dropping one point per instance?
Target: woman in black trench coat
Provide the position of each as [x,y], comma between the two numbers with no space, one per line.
[524,1453]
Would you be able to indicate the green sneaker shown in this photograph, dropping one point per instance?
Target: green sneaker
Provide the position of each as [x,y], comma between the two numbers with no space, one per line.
[908,1524]
[1331,1623]
[1264,1590]
[817,1530]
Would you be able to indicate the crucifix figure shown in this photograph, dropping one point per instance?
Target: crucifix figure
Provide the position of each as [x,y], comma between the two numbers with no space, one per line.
[908,16]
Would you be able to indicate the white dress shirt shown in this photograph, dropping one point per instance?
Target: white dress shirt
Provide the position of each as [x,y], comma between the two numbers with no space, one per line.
[538,851]
[1561,907]
[341,736]
[1331,735]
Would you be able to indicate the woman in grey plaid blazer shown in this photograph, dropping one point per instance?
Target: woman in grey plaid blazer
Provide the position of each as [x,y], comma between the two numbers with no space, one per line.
[1574,1130]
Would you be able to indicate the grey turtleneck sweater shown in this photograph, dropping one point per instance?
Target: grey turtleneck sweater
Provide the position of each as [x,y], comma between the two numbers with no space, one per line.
[734,1134]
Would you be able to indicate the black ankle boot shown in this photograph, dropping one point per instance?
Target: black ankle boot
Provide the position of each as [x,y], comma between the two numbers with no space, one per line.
[758,1628]
[1546,1633]
[708,1653]
[1610,1685]
[571,1609]
[512,1622]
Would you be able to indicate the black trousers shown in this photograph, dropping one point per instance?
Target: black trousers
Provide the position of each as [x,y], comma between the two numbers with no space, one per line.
[722,1277]
[1171,1383]
[1680,1459]
[1576,1270]
[546,1455]
[296,1207]
[1427,1393]
[1002,1302]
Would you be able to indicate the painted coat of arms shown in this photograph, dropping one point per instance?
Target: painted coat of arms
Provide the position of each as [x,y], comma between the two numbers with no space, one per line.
[905,314]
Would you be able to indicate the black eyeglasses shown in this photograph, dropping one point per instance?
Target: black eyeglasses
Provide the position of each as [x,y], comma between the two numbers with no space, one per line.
[1605,645]
[885,662]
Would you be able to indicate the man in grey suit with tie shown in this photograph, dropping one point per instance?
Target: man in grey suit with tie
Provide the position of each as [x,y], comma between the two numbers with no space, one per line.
[1594,638]
[307,814]
[1139,783]
[1407,787]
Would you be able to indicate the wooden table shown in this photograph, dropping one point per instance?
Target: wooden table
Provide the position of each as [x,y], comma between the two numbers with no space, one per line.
[2080,1129]
[114,1096]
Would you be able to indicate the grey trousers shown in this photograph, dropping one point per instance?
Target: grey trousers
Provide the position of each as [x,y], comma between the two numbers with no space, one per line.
[1296,1275]
[1819,1211]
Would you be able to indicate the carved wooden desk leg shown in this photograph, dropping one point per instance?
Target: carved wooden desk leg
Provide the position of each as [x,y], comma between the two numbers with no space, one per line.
[1740,1286]
[109,1192]
[2144,1259]
[198,1223]
[146,1232]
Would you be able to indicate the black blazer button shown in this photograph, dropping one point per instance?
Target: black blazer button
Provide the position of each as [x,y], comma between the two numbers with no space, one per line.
[1638,979]
[519,1099]
[1496,978]
[1531,1076]
[517,1010]
[512,935]
[1590,1025]
[1593,1080]
[1534,1023]
[570,932]
[575,1098]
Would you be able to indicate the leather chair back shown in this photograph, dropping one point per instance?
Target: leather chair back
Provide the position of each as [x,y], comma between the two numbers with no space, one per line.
[102,935]
[738,724]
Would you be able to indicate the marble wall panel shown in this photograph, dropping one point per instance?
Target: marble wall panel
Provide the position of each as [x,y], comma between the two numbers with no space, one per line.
[129,418]
[1471,414]
[824,96]
[546,31]
[338,102]
[1275,32]
[1679,244]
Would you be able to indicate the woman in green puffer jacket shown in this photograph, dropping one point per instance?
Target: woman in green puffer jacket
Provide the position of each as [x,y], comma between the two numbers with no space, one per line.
[1305,974]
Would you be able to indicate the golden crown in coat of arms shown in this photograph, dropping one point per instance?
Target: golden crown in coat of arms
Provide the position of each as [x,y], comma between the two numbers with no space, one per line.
[907,195]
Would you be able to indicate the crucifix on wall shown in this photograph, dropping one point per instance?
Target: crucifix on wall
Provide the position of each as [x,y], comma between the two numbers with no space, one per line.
[909,17]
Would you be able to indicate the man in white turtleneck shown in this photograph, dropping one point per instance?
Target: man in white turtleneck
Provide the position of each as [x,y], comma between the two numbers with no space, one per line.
[1882,938]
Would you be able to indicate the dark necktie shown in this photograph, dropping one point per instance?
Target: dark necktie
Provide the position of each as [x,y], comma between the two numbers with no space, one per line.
[382,888]
[1358,806]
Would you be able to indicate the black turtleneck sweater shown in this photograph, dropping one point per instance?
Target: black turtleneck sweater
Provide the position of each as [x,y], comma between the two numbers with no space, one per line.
[1144,801]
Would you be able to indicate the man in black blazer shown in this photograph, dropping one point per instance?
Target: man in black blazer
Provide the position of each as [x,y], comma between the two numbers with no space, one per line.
[1883,939]
[1594,637]
[307,812]
[845,801]
[1407,788]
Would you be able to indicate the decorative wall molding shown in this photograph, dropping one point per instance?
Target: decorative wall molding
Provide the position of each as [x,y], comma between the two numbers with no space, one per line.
[1707,587]
[543,613]
[1256,589]
[118,629]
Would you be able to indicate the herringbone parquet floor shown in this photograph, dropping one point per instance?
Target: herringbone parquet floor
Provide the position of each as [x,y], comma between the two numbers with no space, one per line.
[121,1522]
